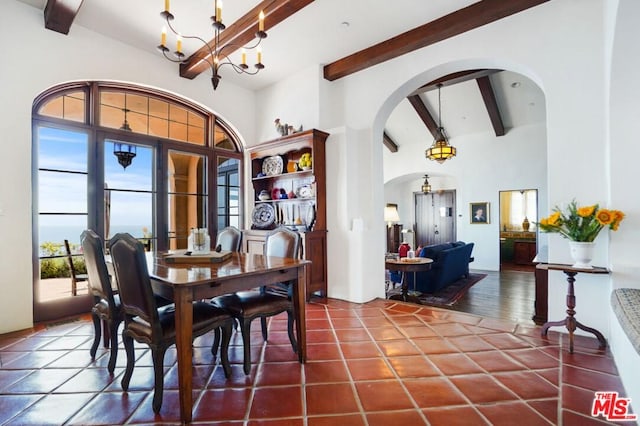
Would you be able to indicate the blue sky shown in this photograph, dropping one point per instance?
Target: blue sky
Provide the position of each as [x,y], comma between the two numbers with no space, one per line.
[67,150]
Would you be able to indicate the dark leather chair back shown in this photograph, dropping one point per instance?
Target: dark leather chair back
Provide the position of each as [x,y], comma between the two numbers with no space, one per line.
[282,242]
[132,277]
[99,280]
[229,238]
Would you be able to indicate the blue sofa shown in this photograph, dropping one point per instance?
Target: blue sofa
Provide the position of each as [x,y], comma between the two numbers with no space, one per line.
[450,263]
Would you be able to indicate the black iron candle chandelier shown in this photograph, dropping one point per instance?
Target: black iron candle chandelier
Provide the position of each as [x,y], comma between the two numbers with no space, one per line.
[217,57]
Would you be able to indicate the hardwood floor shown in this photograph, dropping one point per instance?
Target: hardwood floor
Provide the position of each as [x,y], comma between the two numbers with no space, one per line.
[507,295]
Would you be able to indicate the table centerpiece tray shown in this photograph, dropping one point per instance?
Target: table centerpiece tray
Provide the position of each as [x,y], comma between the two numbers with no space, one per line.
[181,256]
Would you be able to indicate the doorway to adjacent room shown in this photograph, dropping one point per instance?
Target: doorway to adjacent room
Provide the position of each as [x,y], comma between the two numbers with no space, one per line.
[518,233]
[435,217]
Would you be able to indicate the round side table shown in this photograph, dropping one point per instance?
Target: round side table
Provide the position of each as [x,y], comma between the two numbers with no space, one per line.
[416,264]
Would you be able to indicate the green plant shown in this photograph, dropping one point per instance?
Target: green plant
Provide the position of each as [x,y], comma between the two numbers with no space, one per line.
[79,265]
[58,267]
[49,248]
[54,268]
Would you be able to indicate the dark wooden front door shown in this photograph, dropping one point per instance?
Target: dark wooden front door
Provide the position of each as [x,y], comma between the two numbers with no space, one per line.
[435,217]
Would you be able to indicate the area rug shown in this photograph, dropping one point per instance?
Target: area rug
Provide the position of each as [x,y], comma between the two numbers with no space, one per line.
[447,296]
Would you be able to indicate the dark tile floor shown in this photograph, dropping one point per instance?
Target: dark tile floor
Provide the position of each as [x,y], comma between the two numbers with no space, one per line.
[378,363]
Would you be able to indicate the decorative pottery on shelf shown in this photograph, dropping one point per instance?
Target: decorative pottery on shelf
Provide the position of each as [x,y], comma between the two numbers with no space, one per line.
[525,224]
[275,193]
[582,254]
[272,166]
[292,166]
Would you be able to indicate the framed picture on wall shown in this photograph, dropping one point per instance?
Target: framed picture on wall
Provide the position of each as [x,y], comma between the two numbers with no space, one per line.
[479,212]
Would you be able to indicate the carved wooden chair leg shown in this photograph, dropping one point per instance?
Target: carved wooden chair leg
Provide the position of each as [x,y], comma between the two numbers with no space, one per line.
[227,329]
[263,327]
[158,372]
[292,338]
[245,329]
[128,347]
[113,331]
[97,331]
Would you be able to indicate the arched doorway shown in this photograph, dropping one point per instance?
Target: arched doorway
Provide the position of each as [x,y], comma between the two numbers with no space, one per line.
[486,164]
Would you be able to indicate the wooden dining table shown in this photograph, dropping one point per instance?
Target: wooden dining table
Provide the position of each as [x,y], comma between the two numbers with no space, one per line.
[187,282]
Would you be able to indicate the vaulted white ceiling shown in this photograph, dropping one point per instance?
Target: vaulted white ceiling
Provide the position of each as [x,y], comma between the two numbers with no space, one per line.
[320,33]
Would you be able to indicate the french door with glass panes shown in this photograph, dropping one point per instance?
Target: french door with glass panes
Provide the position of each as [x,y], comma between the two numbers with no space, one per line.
[83,185]
[128,194]
[115,158]
[61,211]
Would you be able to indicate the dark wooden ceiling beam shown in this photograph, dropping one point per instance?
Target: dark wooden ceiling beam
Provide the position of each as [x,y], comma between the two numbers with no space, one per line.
[489,98]
[453,24]
[455,78]
[424,114]
[389,143]
[59,14]
[242,32]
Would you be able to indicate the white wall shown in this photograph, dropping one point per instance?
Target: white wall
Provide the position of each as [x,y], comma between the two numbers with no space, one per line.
[624,151]
[41,59]
[294,101]
[351,182]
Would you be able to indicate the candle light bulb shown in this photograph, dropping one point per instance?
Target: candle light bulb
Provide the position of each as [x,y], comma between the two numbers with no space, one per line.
[261,21]
[244,57]
[163,37]
[259,50]
[166,5]
[219,11]
[179,44]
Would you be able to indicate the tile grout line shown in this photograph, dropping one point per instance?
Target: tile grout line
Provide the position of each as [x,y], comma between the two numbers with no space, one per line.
[352,384]
[484,371]
[446,376]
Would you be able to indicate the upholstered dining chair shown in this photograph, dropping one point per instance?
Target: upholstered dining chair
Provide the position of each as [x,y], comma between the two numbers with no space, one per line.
[106,306]
[145,322]
[264,302]
[229,238]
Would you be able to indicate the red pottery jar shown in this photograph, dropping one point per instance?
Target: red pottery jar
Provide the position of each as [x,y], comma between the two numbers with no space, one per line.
[404,249]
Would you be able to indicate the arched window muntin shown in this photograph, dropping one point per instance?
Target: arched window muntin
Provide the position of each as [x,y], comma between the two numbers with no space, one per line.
[161,146]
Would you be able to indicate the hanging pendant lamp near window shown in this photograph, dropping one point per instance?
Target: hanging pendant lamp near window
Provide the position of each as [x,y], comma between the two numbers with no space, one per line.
[426,186]
[124,152]
[440,150]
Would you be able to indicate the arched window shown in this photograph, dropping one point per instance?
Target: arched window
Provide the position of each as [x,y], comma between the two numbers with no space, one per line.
[120,158]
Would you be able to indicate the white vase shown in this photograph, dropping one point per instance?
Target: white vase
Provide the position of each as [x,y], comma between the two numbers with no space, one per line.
[582,253]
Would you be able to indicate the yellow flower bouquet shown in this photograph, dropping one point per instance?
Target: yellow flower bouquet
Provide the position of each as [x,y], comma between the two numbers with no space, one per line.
[581,224]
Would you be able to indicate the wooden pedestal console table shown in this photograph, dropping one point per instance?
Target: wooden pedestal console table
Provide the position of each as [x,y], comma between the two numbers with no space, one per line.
[570,321]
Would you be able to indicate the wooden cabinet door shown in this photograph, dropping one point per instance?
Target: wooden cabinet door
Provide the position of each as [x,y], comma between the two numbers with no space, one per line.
[253,242]
[524,252]
[315,249]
